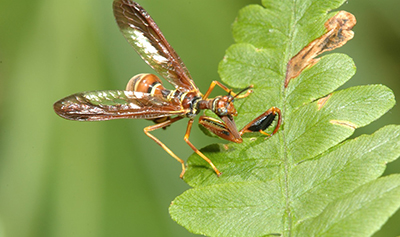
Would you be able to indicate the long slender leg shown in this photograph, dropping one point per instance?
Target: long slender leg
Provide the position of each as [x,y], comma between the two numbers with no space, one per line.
[147,131]
[186,138]
[217,83]
[263,121]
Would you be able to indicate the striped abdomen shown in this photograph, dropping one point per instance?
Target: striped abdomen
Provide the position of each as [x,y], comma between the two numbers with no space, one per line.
[147,83]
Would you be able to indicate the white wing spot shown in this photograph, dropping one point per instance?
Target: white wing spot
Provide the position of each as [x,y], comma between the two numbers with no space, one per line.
[143,43]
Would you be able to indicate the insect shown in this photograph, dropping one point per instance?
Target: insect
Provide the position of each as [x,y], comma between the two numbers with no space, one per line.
[145,97]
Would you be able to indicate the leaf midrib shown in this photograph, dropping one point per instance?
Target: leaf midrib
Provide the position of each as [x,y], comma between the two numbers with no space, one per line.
[287,225]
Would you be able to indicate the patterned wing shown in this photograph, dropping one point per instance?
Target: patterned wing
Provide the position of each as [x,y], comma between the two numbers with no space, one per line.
[144,35]
[115,104]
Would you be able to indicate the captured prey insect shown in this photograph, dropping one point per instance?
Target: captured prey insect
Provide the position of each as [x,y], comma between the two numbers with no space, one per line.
[146,98]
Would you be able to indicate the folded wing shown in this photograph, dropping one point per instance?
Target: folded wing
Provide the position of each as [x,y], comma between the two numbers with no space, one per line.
[116,104]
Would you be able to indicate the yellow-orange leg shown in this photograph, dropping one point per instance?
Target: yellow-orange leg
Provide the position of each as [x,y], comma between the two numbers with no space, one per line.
[147,131]
[215,83]
[262,122]
[186,138]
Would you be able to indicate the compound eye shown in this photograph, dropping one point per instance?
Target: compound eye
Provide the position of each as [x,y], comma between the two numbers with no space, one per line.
[222,111]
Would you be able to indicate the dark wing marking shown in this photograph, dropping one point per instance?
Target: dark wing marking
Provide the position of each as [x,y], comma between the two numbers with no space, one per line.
[146,38]
[115,104]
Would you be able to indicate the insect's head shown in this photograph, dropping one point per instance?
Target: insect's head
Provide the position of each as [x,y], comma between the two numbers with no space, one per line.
[223,106]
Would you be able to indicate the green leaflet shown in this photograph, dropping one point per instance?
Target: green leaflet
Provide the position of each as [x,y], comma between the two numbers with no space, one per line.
[304,180]
[356,214]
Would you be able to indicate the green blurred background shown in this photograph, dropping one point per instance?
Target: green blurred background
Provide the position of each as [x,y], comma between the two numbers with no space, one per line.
[63,178]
